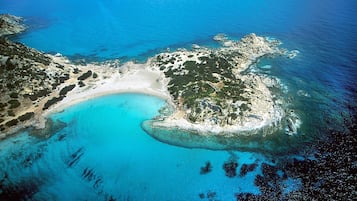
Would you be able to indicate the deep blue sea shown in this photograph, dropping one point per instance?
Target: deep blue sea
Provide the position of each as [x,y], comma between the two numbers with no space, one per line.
[104,154]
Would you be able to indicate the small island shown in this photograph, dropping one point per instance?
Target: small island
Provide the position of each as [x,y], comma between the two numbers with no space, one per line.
[209,91]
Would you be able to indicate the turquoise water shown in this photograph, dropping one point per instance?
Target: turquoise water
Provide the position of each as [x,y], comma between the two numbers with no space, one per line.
[104,135]
[320,85]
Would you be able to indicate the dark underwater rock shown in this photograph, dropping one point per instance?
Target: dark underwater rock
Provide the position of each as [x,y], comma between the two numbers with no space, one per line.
[247,168]
[75,157]
[245,196]
[269,171]
[230,167]
[206,169]
[20,191]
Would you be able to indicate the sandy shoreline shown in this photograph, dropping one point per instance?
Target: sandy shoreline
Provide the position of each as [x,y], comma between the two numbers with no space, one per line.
[131,78]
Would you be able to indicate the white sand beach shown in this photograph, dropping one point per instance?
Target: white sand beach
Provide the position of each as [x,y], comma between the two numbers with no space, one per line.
[129,78]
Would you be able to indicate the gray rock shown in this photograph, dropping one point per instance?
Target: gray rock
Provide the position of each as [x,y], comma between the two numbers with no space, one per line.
[10,25]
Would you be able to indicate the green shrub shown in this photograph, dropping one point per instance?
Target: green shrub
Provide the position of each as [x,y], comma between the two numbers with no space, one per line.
[11,123]
[14,95]
[26,116]
[66,89]
[14,103]
[51,102]
[81,84]
[10,113]
[85,75]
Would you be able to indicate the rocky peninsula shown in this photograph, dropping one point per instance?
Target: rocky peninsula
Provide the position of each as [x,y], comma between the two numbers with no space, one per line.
[209,91]
[212,92]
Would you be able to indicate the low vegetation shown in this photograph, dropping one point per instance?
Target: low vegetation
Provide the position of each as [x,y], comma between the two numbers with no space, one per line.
[204,85]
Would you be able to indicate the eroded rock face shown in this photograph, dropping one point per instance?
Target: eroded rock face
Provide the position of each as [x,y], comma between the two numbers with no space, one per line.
[10,25]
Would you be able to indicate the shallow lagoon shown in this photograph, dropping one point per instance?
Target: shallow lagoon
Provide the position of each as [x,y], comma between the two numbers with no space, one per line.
[103,153]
